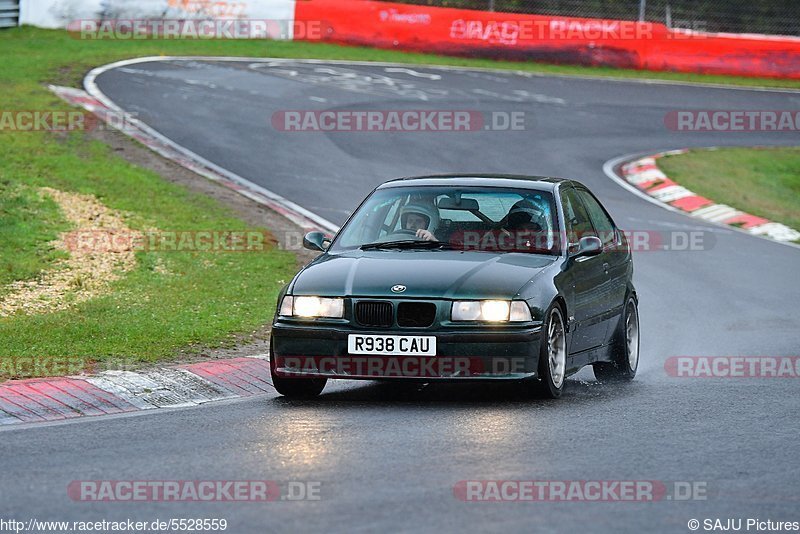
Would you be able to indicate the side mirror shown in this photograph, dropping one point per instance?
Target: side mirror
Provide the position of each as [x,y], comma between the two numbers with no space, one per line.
[589,246]
[316,241]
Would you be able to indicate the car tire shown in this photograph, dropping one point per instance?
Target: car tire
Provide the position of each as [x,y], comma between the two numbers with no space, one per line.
[624,347]
[295,387]
[552,354]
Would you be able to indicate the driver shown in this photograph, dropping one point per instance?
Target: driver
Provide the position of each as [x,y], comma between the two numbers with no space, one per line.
[524,215]
[421,219]
[524,224]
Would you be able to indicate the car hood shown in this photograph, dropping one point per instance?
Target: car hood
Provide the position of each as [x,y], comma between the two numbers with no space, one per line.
[428,274]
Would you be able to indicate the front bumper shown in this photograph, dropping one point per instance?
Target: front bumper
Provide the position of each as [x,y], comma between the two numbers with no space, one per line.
[318,350]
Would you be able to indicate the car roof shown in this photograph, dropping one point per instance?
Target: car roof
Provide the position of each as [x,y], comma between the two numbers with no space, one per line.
[480,180]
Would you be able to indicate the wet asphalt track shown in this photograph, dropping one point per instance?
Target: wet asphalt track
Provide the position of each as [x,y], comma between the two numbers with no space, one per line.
[389,459]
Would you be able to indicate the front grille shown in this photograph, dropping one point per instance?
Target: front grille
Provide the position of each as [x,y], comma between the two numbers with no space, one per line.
[374,313]
[419,314]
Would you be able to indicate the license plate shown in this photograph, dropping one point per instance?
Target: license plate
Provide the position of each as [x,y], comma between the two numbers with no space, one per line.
[391,345]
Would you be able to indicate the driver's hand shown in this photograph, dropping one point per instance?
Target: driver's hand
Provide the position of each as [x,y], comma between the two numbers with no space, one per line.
[425,235]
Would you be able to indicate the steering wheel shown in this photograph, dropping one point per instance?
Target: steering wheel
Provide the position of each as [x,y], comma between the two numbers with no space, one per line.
[403,232]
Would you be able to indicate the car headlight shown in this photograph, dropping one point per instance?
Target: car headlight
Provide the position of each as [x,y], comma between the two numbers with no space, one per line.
[310,307]
[495,311]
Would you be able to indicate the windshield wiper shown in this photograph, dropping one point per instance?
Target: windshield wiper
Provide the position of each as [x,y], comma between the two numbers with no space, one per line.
[407,244]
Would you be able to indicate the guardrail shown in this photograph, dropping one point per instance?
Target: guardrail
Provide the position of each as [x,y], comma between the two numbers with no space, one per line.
[9,13]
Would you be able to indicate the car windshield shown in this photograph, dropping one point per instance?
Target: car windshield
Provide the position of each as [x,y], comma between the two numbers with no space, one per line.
[486,219]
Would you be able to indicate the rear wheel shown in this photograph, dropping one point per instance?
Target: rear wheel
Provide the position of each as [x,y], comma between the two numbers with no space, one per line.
[624,348]
[295,387]
[552,355]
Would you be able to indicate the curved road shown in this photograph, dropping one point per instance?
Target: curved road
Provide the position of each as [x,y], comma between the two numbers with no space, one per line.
[389,459]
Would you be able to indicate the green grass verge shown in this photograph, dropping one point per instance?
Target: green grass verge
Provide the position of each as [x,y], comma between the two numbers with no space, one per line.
[759,181]
[171,300]
[28,222]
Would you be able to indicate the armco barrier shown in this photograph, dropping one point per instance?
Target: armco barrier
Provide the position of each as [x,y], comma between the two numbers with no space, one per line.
[626,44]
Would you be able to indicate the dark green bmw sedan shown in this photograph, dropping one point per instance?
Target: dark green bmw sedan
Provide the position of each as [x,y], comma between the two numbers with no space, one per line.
[462,277]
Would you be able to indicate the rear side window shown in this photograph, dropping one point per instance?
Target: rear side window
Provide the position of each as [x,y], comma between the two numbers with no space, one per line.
[600,219]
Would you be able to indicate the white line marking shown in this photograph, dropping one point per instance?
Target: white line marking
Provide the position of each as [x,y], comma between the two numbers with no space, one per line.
[412,72]
[521,96]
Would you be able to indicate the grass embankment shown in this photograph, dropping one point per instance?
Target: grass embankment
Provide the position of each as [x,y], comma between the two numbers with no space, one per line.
[28,223]
[759,181]
[171,299]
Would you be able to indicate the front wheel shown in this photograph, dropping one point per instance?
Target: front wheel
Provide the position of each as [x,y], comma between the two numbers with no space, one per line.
[624,348]
[552,355]
[295,387]
[298,388]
